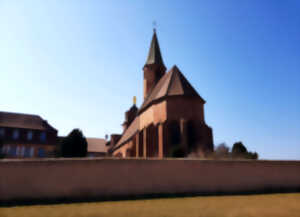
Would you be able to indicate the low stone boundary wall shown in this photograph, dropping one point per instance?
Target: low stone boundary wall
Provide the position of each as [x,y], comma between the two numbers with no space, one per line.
[49,180]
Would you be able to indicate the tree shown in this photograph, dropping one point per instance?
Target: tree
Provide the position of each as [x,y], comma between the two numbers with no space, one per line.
[74,145]
[251,155]
[239,149]
[222,151]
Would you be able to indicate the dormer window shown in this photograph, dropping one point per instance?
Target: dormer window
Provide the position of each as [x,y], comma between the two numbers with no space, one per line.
[15,134]
[29,135]
[2,132]
[43,137]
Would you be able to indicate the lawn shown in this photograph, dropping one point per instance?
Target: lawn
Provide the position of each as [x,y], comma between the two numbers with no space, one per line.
[275,205]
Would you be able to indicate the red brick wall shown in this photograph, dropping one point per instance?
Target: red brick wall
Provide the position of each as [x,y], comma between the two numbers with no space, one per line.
[102,178]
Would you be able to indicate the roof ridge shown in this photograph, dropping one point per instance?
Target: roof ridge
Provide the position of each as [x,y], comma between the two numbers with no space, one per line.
[171,79]
[176,75]
[18,113]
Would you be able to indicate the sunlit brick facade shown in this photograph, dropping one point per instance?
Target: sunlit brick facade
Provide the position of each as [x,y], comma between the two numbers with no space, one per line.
[170,119]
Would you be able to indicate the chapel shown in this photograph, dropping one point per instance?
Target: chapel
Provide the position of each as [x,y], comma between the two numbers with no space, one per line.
[170,122]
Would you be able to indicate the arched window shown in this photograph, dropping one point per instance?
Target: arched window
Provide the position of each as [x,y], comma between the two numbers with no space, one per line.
[174,130]
[191,135]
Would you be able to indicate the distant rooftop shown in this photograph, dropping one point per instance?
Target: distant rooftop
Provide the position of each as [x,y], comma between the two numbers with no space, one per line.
[26,121]
[96,145]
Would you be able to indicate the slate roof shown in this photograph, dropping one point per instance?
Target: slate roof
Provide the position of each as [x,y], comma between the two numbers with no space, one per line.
[96,145]
[154,55]
[25,121]
[173,83]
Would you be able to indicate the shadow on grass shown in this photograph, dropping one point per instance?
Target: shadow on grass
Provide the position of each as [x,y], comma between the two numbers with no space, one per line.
[67,200]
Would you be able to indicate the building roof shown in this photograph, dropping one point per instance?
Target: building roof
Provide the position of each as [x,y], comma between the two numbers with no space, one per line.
[154,55]
[129,132]
[26,121]
[96,145]
[172,83]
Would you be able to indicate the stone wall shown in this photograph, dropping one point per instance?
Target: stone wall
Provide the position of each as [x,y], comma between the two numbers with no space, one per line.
[104,178]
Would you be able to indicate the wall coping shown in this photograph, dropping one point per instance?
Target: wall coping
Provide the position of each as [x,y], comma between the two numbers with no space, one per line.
[147,159]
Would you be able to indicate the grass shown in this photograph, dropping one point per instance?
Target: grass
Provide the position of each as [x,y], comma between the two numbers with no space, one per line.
[275,205]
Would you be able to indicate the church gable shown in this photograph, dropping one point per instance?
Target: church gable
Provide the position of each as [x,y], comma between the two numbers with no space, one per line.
[172,83]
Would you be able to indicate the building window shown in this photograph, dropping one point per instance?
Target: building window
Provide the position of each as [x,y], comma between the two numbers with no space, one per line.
[13,151]
[2,132]
[41,152]
[18,152]
[31,152]
[43,137]
[27,152]
[174,133]
[7,149]
[3,151]
[15,134]
[29,135]
[22,152]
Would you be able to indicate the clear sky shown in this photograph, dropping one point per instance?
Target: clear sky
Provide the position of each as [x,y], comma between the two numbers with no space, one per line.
[79,63]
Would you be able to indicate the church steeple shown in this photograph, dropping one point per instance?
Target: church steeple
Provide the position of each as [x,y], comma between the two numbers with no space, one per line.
[154,55]
[154,68]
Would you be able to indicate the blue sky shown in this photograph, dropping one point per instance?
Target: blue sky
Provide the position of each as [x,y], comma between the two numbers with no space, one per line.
[79,63]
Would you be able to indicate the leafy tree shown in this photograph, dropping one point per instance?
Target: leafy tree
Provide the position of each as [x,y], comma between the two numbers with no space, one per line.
[239,149]
[251,155]
[74,145]
[222,150]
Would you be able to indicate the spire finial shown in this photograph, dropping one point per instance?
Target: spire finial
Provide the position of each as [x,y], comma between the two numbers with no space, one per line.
[154,26]
[134,100]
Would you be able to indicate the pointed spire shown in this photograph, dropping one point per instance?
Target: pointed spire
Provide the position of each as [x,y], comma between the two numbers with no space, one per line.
[154,56]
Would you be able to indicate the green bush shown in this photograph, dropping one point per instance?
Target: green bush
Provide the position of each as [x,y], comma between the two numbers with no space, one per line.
[74,145]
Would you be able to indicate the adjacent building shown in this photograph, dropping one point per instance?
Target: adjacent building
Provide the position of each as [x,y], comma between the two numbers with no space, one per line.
[170,120]
[96,147]
[26,136]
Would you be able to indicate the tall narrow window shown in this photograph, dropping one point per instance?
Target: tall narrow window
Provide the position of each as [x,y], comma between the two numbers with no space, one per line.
[15,134]
[13,151]
[191,133]
[27,152]
[174,133]
[31,152]
[2,132]
[22,151]
[3,151]
[18,152]
[41,152]
[29,135]
[43,137]
[7,151]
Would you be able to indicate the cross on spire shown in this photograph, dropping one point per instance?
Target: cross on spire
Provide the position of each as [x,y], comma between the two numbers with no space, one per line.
[154,26]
